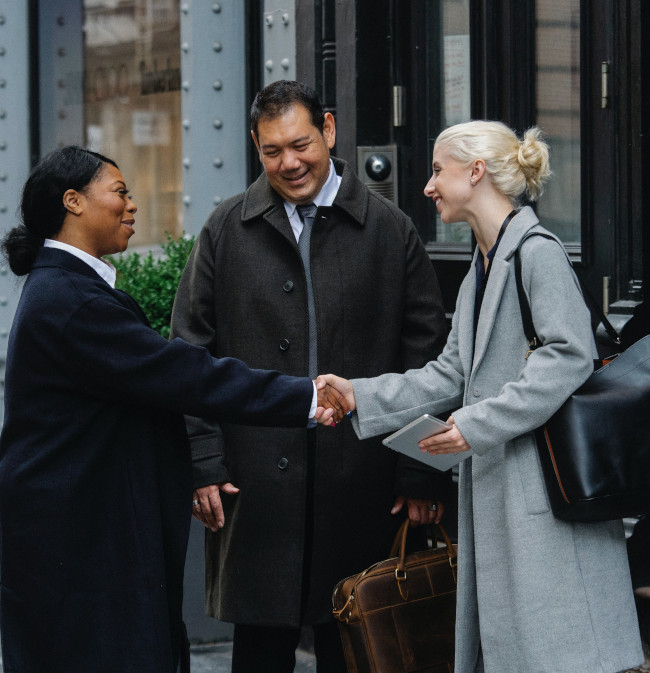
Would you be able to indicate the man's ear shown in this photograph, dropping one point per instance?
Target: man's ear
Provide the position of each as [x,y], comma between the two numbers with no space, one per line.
[329,130]
[259,151]
[72,201]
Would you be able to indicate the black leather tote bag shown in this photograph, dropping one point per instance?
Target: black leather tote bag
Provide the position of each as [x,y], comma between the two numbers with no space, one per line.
[595,450]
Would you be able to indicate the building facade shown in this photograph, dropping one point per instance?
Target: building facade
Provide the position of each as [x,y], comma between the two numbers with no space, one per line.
[164,87]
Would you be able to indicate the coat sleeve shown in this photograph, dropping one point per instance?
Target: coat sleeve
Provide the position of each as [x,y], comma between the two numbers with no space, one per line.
[193,320]
[552,372]
[388,402]
[549,376]
[114,355]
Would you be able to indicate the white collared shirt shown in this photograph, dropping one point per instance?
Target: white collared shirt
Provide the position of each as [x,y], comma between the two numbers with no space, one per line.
[103,268]
[325,197]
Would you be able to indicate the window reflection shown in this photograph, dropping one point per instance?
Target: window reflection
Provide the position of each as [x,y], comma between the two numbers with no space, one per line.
[558,112]
[453,52]
[132,104]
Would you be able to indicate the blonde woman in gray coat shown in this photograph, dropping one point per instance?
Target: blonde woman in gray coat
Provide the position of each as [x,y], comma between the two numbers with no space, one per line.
[535,594]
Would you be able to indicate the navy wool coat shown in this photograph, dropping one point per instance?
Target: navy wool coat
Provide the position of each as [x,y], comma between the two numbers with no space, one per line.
[95,474]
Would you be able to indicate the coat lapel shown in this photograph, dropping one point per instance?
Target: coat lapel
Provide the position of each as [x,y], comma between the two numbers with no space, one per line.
[467,294]
[516,231]
[491,301]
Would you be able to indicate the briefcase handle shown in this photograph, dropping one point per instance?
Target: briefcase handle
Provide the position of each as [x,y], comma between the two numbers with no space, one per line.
[344,613]
[400,544]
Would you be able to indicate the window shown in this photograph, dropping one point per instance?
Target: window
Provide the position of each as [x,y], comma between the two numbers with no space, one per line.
[557,103]
[132,104]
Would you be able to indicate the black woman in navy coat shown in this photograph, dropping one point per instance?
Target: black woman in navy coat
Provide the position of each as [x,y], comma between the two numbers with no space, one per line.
[95,475]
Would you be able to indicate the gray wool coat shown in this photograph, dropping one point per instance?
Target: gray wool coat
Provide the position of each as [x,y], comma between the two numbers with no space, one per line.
[535,594]
[378,309]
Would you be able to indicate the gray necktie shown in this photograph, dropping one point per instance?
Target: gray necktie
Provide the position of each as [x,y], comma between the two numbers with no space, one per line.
[307,214]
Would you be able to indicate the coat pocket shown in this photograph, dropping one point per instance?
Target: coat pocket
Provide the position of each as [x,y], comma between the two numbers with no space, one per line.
[530,474]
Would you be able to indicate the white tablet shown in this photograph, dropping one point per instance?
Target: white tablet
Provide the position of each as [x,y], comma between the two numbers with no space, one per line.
[406,441]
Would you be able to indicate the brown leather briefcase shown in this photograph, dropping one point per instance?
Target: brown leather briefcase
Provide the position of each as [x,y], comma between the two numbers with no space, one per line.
[398,616]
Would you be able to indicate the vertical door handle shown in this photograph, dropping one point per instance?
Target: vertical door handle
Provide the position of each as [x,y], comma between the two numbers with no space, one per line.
[606,294]
[604,84]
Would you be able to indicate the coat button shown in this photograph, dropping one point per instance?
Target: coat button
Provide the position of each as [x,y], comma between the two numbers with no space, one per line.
[477,392]
[284,345]
[288,286]
[282,463]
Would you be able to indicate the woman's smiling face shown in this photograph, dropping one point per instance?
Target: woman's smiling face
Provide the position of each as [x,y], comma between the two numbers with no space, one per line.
[108,213]
[449,186]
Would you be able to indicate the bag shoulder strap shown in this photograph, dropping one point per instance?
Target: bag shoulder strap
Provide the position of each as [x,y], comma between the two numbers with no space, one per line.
[527,317]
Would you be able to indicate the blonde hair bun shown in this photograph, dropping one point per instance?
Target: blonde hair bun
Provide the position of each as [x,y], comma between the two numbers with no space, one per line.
[515,167]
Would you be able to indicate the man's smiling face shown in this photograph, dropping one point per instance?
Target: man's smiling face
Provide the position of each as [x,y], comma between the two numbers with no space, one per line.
[294,153]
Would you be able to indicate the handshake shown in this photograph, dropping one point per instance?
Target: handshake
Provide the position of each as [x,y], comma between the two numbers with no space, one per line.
[335,399]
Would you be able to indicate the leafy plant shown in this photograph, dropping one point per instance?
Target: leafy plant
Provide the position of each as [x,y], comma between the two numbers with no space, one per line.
[153,281]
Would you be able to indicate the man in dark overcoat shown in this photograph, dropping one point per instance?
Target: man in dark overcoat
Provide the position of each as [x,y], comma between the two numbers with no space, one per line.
[291,512]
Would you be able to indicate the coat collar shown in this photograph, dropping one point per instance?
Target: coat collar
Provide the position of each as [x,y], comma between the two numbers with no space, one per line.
[54,257]
[260,200]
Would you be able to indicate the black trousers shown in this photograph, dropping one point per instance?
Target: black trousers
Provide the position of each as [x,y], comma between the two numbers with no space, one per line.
[266,649]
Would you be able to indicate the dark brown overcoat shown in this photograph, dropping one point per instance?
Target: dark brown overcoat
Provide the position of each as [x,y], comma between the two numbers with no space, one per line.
[378,310]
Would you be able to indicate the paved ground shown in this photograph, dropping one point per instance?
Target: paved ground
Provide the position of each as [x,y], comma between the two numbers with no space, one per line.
[216,659]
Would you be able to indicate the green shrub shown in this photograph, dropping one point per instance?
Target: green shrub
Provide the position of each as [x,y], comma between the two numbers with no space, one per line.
[152,281]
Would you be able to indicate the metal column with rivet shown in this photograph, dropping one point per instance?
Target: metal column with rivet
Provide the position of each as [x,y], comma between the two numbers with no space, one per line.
[279,40]
[60,73]
[14,148]
[215,140]
[214,106]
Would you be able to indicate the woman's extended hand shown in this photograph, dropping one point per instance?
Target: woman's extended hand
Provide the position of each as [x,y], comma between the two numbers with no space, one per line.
[450,441]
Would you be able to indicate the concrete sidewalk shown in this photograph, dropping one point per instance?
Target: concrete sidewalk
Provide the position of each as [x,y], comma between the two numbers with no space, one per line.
[216,659]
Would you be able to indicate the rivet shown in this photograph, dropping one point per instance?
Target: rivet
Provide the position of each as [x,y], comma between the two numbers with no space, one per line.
[186,86]
[218,162]
[285,63]
[61,52]
[186,162]
[217,85]
[3,114]
[3,301]
[2,51]
[187,200]
[3,144]
[217,200]
[60,20]
[216,8]
[185,8]
[185,47]
[186,124]
[3,270]
[217,123]
[2,20]
[62,114]
[61,84]
[3,208]
[217,46]
[285,19]
[268,19]
[268,65]
[3,177]
[4,332]
[3,83]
